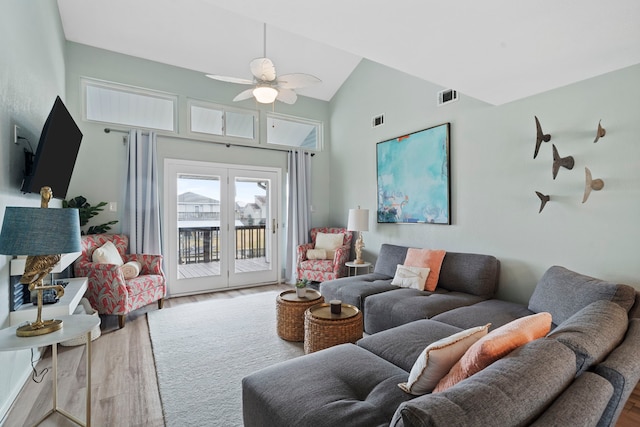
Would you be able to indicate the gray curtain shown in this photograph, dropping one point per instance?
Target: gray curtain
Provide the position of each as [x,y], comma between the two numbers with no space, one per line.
[141,220]
[298,208]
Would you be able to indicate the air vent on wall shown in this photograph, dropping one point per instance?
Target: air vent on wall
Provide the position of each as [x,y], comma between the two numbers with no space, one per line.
[446,96]
[377,120]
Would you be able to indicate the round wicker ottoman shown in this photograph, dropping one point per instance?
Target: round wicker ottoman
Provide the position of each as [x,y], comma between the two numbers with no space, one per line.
[290,313]
[323,329]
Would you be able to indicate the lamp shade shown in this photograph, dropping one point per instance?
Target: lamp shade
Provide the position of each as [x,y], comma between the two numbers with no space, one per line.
[358,220]
[265,94]
[40,231]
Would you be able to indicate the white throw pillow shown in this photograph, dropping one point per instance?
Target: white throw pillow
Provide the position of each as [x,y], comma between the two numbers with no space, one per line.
[438,358]
[329,241]
[131,269]
[316,254]
[411,277]
[107,254]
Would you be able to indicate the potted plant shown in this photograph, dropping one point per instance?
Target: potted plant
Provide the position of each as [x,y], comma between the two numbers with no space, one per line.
[301,288]
[86,212]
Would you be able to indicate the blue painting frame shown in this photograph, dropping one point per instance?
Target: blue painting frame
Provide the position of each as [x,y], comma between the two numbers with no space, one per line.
[414,184]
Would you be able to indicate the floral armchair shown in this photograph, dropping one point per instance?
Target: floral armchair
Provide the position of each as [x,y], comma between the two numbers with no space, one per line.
[109,292]
[320,270]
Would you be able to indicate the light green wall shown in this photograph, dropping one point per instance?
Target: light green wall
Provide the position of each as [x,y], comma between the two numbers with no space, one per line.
[494,175]
[32,73]
[100,169]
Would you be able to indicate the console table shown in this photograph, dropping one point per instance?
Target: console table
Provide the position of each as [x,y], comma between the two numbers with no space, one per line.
[72,327]
[73,293]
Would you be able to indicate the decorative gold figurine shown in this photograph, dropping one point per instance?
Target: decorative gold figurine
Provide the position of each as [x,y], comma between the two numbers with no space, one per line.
[36,268]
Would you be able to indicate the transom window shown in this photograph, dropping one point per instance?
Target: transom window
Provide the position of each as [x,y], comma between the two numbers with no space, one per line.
[206,118]
[294,131]
[129,106]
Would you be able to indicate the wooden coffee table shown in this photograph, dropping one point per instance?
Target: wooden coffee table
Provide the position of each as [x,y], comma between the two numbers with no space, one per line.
[324,329]
[290,313]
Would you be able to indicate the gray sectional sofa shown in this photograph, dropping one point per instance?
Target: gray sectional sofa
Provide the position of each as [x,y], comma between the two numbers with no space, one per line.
[465,279]
[580,374]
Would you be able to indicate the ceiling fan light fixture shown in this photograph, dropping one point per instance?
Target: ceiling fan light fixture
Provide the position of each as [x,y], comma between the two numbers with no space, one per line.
[265,94]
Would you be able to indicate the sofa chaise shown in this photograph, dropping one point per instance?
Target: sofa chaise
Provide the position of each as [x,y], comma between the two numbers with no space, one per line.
[579,374]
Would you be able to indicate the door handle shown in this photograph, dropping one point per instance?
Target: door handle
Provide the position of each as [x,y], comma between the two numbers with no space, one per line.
[273,225]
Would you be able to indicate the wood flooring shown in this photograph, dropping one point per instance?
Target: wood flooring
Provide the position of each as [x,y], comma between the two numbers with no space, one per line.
[124,386]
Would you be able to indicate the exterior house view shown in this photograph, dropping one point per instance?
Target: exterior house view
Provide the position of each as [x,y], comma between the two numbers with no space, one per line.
[528,120]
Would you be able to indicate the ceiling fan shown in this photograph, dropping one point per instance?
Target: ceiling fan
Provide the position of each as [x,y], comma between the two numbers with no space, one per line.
[269,87]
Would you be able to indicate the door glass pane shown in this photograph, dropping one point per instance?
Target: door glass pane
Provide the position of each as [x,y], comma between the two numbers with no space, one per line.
[251,216]
[198,226]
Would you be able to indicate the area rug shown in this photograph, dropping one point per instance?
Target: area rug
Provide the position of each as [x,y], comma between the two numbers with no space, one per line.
[203,350]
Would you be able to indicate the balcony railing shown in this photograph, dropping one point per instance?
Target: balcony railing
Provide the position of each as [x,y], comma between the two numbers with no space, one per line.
[202,244]
[190,216]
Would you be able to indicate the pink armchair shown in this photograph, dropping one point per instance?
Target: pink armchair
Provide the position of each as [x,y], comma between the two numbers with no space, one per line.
[108,291]
[319,270]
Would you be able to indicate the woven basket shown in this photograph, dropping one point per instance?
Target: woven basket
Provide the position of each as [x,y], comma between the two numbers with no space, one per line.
[290,313]
[84,307]
[323,333]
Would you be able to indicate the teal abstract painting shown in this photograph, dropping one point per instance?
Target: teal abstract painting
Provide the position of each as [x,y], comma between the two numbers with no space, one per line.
[413,177]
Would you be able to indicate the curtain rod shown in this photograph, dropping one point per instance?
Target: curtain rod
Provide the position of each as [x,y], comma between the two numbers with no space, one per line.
[226,144]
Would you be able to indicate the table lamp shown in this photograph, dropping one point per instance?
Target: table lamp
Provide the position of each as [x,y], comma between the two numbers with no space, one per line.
[42,234]
[358,221]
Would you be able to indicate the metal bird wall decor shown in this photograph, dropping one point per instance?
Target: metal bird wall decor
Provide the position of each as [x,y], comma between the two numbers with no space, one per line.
[544,198]
[540,136]
[591,184]
[600,133]
[565,162]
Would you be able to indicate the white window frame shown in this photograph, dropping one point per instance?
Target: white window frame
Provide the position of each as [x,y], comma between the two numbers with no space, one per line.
[224,109]
[317,123]
[86,81]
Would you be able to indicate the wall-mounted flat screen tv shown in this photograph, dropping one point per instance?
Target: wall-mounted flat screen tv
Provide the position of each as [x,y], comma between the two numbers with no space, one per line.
[56,154]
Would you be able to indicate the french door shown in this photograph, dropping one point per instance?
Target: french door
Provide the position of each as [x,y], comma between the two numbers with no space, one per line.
[221,223]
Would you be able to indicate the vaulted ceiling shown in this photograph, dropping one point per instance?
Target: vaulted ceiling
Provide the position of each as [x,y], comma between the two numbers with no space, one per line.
[494,50]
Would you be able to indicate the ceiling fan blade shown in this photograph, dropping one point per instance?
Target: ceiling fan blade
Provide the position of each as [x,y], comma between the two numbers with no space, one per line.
[245,94]
[297,80]
[287,96]
[230,79]
[263,69]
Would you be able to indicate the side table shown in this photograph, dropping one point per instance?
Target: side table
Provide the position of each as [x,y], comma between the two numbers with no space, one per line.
[351,264]
[72,327]
[324,329]
[290,313]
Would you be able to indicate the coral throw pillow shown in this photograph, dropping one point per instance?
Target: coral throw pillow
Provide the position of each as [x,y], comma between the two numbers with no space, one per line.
[435,361]
[495,345]
[429,258]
